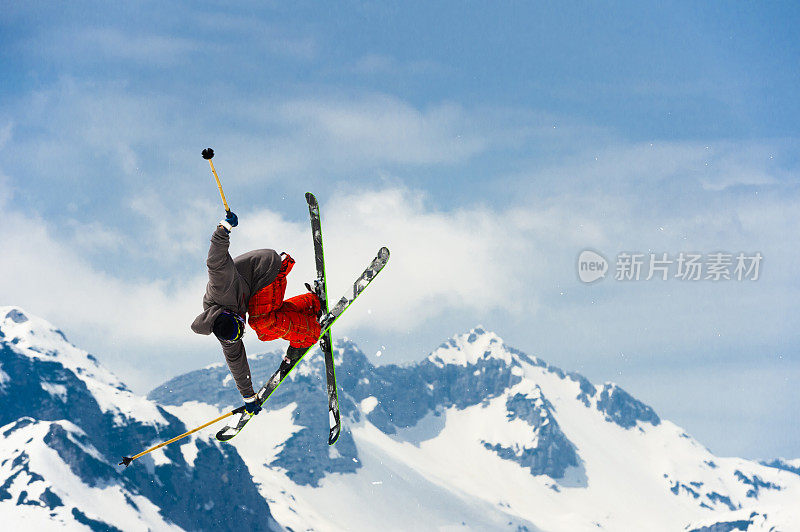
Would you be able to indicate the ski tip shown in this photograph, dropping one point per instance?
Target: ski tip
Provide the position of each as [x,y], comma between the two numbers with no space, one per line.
[221,436]
[126,461]
[310,198]
[383,252]
[336,426]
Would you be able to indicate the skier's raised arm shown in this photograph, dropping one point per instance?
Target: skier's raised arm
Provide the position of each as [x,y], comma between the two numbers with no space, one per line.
[224,306]
[221,270]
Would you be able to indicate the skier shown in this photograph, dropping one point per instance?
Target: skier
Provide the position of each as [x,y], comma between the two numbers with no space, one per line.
[254,283]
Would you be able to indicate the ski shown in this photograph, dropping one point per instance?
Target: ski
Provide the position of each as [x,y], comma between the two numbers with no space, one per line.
[369,274]
[325,342]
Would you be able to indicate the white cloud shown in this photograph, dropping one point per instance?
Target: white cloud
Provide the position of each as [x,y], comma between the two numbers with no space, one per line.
[153,139]
[734,164]
[620,167]
[439,261]
[112,44]
[379,129]
[303,48]
[475,261]
[379,64]
[139,327]
[253,34]
[375,63]
[172,226]
[95,237]
[51,277]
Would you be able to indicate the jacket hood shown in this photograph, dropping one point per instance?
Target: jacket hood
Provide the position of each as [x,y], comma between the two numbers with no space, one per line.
[204,322]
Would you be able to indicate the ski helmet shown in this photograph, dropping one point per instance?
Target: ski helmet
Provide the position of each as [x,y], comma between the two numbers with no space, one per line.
[229,327]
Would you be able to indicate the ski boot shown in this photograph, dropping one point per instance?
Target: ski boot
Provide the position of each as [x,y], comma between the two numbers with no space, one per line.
[322,318]
[293,354]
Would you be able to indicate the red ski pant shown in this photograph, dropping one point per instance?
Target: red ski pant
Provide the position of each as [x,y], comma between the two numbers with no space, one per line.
[293,319]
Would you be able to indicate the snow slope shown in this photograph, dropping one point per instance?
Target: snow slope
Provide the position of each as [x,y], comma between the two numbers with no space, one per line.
[41,490]
[37,339]
[64,425]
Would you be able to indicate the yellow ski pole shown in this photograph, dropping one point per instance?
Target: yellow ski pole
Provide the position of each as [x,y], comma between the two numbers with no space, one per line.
[126,460]
[208,154]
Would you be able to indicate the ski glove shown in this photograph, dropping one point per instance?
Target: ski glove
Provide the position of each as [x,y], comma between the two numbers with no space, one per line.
[251,405]
[231,218]
[230,221]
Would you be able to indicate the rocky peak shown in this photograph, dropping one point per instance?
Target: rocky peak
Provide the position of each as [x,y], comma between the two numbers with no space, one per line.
[471,348]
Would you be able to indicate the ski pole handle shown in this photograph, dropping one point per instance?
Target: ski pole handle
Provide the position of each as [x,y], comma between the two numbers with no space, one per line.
[208,154]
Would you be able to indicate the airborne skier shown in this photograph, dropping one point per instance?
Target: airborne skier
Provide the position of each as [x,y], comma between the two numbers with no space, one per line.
[254,284]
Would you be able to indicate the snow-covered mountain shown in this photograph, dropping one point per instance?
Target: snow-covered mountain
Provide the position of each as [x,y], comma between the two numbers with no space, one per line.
[64,423]
[477,436]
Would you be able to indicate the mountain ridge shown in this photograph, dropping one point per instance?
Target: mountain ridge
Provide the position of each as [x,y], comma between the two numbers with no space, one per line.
[475,369]
[66,421]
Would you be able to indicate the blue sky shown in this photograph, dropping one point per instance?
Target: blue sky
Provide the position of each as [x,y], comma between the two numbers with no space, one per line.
[486,144]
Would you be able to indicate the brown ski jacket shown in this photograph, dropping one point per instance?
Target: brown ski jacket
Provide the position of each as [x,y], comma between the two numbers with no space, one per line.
[231,283]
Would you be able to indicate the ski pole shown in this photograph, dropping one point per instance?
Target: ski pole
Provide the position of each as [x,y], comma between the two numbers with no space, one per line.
[208,154]
[126,460]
